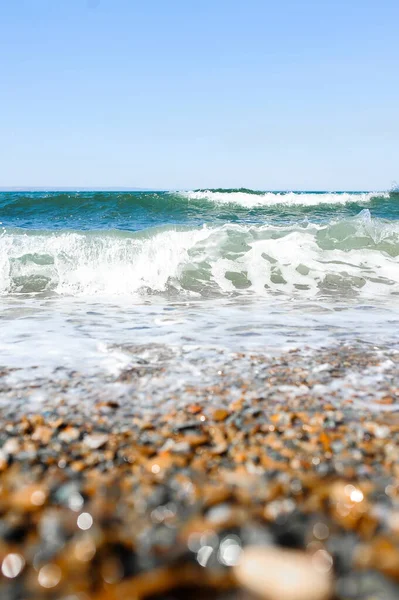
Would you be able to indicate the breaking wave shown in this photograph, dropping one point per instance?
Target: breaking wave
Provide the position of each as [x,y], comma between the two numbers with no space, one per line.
[346,258]
[252,199]
[139,210]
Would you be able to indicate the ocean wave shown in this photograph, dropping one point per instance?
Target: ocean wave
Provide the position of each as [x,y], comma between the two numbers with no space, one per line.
[135,211]
[355,256]
[252,199]
[113,204]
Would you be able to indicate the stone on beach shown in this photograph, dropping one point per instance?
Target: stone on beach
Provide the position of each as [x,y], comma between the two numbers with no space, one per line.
[279,574]
[96,440]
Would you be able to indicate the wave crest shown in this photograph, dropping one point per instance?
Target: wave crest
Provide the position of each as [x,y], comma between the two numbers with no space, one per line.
[252,199]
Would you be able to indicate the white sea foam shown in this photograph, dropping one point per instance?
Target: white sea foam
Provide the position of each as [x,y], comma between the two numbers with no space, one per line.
[72,263]
[350,258]
[252,200]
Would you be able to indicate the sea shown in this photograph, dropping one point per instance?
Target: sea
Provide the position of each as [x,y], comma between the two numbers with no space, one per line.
[95,281]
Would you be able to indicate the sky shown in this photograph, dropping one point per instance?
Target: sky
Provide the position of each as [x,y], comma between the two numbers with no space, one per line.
[183,94]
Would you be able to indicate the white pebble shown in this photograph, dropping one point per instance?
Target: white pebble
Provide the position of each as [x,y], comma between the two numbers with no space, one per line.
[277,574]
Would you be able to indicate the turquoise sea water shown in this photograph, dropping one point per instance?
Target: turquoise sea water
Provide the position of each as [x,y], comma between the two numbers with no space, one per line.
[133,211]
[208,267]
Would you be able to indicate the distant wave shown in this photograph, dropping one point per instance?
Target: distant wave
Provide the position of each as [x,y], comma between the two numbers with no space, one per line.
[109,204]
[251,199]
[355,256]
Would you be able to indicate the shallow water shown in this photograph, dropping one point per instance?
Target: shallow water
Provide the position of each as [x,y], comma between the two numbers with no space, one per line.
[82,275]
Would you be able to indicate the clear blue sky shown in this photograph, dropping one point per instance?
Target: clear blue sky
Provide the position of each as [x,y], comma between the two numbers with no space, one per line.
[184,94]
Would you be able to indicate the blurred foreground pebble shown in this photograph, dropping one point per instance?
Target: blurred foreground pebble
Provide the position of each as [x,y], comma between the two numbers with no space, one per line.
[275,574]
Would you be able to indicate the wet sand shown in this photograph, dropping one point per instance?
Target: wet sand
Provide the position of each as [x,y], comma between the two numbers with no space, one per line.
[146,484]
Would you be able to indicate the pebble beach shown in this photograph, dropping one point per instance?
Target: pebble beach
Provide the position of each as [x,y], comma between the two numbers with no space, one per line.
[278,480]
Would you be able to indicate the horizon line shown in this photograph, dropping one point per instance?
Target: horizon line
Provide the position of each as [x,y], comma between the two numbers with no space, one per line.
[159,189]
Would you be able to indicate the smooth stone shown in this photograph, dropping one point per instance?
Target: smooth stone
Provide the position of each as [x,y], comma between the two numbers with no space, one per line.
[96,440]
[278,574]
